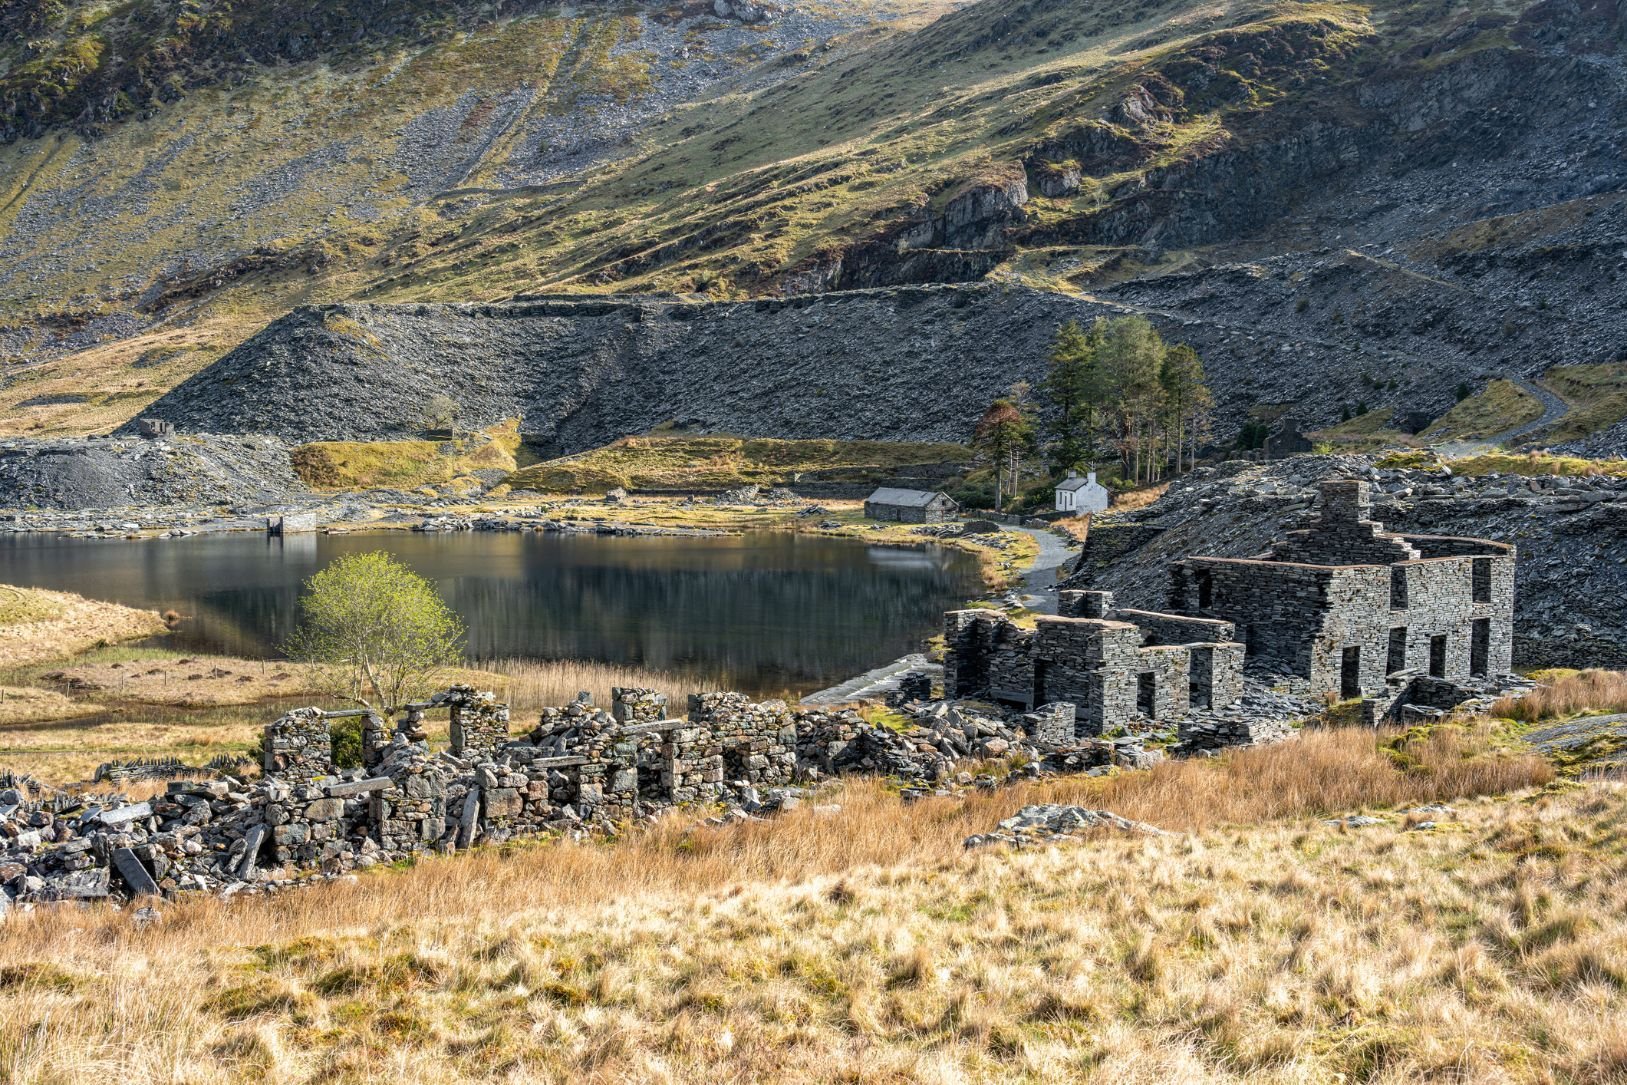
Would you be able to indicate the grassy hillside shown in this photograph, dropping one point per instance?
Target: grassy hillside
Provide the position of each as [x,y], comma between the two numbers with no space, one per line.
[289,156]
[865,944]
[475,153]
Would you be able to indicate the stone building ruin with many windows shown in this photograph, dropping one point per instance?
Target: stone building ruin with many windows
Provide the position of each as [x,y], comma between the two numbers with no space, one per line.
[1341,608]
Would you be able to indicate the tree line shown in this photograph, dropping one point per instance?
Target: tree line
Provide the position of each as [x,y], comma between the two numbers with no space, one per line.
[1113,391]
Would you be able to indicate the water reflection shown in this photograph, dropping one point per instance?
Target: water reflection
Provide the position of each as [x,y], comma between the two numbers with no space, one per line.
[770,610]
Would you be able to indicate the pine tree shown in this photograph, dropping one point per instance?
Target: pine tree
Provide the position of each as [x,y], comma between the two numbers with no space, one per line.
[1073,387]
[1131,353]
[1186,400]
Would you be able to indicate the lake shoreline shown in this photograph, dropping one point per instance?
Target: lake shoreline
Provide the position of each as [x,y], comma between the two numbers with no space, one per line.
[1004,559]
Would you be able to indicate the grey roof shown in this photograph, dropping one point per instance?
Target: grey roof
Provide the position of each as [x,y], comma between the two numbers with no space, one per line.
[888,495]
[1075,483]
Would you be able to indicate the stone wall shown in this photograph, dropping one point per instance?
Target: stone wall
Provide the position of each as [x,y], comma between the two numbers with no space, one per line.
[479,725]
[298,747]
[757,741]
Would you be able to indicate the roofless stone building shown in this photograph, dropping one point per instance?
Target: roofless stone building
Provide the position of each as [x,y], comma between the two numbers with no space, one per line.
[1340,608]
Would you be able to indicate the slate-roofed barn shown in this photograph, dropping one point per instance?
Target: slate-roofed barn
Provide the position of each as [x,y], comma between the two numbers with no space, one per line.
[910,506]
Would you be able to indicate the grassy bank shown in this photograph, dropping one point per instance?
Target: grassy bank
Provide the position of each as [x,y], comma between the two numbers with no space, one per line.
[1500,406]
[40,625]
[720,463]
[864,944]
[1529,464]
[406,465]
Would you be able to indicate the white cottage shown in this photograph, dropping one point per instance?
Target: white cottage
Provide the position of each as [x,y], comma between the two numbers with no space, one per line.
[1081,495]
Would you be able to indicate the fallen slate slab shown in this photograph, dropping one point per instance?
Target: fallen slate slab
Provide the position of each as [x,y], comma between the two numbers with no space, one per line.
[80,885]
[251,852]
[359,787]
[125,814]
[135,875]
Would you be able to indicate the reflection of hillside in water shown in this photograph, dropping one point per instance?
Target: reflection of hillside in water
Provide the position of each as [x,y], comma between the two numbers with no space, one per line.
[772,610]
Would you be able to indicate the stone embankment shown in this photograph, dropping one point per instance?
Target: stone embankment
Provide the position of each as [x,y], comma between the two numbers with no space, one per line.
[1571,534]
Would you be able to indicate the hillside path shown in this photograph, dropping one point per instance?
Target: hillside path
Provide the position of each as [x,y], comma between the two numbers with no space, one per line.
[1039,582]
[1554,408]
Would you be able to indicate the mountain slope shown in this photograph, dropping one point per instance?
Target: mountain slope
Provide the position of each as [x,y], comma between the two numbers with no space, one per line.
[1420,189]
[139,247]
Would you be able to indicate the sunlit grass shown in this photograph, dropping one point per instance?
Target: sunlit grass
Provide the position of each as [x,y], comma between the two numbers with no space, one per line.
[865,944]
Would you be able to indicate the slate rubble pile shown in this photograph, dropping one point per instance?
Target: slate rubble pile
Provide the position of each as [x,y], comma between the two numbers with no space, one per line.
[1048,823]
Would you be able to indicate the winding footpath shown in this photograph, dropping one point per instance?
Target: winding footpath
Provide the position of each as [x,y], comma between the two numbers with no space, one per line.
[1554,408]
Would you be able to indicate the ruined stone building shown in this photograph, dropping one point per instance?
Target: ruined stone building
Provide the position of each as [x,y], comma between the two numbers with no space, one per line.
[1113,666]
[1347,606]
[1339,608]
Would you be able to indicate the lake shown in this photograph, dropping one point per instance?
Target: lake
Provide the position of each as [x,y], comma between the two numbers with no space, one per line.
[768,611]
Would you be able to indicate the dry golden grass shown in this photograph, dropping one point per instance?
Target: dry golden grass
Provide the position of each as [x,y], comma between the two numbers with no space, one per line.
[63,752]
[865,945]
[1138,499]
[194,681]
[1591,691]
[1077,527]
[529,685]
[19,704]
[37,625]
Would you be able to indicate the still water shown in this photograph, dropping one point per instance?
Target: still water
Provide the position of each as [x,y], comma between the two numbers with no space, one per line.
[768,612]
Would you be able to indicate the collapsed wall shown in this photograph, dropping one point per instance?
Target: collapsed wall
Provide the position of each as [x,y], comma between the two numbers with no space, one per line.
[580,769]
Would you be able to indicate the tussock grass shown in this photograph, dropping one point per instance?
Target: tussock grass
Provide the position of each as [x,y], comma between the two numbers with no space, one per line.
[866,945]
[1589,692]
[529,685]
[37,625]
[19,606]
